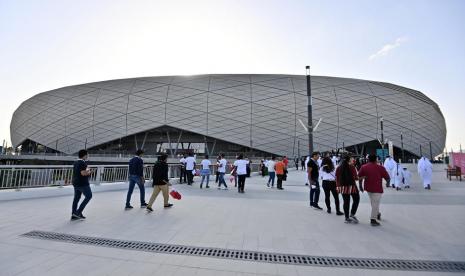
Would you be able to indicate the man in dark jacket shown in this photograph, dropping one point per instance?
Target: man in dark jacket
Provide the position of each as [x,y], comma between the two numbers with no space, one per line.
[136,176]
[81,173]
[160,182]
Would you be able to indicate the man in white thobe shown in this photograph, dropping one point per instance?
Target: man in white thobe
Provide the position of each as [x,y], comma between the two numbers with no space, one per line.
[390,165]
[425,170]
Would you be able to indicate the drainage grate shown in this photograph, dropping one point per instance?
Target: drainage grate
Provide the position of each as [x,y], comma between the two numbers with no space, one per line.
[278,258]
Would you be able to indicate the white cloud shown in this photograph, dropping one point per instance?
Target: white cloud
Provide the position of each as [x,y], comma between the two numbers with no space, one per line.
[387,48]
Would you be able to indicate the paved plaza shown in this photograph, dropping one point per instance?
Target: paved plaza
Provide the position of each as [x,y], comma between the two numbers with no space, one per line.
[417,225]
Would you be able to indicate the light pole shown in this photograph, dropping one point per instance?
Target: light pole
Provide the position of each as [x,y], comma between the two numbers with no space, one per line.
[402,146]
[382,138]
[309,109]
[430,152]
[421,152]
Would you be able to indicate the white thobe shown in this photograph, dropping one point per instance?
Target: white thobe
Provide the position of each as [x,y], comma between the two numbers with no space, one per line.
[390,165]
[398,175]
[425,170]
[407,177]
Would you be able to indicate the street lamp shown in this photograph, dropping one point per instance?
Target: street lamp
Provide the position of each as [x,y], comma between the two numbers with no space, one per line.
[309,109]
[382,138]
[430,151]
[402,146]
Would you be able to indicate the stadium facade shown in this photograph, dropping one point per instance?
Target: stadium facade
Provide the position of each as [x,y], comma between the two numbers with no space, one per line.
[258,114]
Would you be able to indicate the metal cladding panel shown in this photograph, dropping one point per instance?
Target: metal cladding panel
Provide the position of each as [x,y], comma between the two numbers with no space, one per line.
[265,112]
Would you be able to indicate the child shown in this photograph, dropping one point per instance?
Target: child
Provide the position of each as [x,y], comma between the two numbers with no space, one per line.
[398,175]
[407,177]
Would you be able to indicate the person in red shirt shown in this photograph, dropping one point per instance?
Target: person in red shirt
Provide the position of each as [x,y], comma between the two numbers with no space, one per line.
[280,168]
[371,180]
[285,161]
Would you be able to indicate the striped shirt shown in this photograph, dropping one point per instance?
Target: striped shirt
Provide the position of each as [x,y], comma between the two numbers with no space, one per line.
[347,189]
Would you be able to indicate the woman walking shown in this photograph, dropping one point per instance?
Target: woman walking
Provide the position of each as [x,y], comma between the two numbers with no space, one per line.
[346,175]
[328,175]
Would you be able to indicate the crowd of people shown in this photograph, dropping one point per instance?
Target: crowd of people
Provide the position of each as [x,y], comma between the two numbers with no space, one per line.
[338,176]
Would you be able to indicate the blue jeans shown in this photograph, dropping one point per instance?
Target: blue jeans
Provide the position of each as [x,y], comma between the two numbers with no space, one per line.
[314,193]
[78,191]
[133,180]
[205,174]
[221,180]
[271,178]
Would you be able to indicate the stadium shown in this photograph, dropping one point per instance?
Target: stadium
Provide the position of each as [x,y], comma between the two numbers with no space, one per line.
[255,114]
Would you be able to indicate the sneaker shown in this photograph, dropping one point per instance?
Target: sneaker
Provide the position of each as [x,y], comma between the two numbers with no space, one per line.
[328,211]
[219,188]
[379,216]
[128,207]
[315,206]
[306,184]
[168,205]
[268,185]
[143,205]
[75,217]
[373,222]
[348,221]
[81,216]
[207,187]
[354,218]
[200,186]
[339,213]
[149,209]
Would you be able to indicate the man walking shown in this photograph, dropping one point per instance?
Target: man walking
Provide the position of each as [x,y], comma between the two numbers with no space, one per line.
[425,170]
[160,183]
[136,176]
[371,180]
[81,185]
[313,179]
[280,168]
[190,166]
[271,172]
[182,162]
[222,163]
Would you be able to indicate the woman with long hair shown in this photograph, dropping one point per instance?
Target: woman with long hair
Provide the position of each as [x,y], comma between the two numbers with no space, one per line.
[346,175]
[328,175]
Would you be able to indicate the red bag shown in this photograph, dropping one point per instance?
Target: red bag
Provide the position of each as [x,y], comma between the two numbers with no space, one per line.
[175,194]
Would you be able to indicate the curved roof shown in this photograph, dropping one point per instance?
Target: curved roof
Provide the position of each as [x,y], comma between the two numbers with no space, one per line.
[260,111]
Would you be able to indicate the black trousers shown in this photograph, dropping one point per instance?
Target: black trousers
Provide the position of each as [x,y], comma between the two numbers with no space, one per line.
[217,176]
[241,184]
[182,175]
[329,187]
[356,201]
[190,177]
[280,181]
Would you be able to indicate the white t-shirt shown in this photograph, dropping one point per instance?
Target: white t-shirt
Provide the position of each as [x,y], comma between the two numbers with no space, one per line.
[270,165]
[190,161]
[182,161]
[223,163]
[327,176]
[205,164]
[241,165]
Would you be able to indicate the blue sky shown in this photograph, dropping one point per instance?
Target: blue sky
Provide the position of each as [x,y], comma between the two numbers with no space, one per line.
[50,44]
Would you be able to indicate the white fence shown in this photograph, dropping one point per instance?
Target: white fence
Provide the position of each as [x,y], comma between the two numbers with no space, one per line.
[29,176]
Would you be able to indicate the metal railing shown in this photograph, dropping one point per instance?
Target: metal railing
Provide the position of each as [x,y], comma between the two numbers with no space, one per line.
[30,176]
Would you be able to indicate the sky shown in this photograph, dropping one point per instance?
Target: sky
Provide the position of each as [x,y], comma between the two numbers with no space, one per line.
[47,44]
